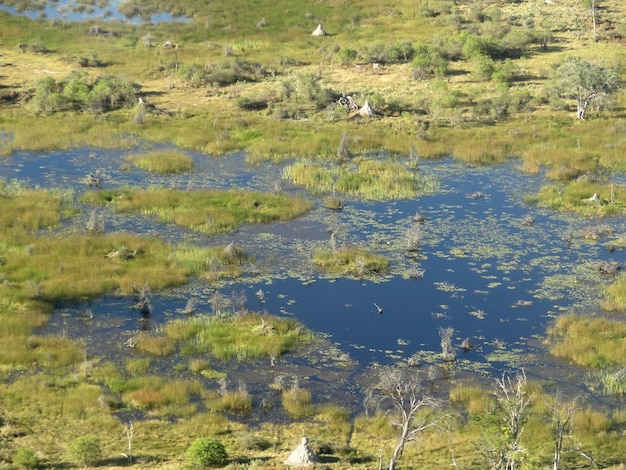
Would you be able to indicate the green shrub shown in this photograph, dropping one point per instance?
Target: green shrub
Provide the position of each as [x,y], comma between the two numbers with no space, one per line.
[26,458]
[347,56]
[206,452]
[86,449]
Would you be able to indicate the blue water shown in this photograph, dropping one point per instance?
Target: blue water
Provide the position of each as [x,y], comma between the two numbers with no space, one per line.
[62,10]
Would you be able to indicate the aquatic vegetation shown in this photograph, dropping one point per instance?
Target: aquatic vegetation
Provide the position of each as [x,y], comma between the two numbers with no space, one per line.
[241,337]
[588,341]
[351,261]
[208,212]
[162,162]
[366,178]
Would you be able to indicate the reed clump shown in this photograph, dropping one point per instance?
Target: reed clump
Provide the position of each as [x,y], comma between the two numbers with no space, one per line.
[155,344]
[351,261]
[163,162]
[297,402]
[208,212]
[235,401]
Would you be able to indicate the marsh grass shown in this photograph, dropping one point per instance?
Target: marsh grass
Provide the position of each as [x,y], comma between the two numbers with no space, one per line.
[213,261]
[235,401]
[591,342]
[242,337]
[475,400]
[336,423]
[25,211]
[351,261]
[297,402]
[78,267]
[615,296]
[155,343]
[208,212]
[365,178]
[22,352]
[163,162]
[52,133]
[137,366]
[577,197]
[613,382]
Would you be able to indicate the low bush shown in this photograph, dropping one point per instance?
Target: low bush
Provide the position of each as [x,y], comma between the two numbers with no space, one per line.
[86,449]
[206,452]
[26,458]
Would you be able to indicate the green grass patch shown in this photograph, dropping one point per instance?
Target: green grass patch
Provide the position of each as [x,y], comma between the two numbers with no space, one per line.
[163,162]
[351,262]
[155,344]
[242,337]
[588,341]
[208,212]
[581,197]
[25,211]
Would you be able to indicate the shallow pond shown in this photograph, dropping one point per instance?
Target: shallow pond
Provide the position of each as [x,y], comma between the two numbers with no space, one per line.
[481,269]
[73,10]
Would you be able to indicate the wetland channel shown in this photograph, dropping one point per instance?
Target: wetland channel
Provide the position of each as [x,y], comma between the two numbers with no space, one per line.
[484,270]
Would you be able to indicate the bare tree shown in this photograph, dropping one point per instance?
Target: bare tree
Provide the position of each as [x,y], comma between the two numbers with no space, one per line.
[513,401]
[96,223]
[593,8]
[218,302]
[343,151]
[562,414]
[129,429]
[413,238]
[412,411]
[447,349]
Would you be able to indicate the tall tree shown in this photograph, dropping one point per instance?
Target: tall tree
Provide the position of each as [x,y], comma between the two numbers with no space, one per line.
[503,426]
[412,411]
[586,82]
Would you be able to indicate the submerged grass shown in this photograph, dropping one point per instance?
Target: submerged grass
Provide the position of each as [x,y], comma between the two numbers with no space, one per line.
[208,212]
